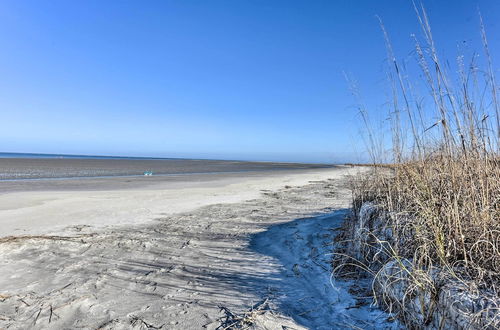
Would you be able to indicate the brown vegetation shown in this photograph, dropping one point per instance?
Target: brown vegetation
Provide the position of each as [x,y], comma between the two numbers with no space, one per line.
[442,193]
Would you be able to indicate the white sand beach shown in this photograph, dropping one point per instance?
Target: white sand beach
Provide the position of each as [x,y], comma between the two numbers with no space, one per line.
[182,254]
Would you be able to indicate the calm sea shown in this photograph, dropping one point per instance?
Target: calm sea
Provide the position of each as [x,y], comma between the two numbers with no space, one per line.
[18,166]
[60,156]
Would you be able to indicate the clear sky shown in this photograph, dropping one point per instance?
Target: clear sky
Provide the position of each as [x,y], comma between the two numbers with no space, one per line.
[257,80]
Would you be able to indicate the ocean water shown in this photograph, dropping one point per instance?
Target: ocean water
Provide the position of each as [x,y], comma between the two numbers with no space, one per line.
[61,156]
[16,166]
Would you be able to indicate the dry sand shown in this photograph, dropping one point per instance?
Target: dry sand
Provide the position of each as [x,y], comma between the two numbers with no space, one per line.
[180,254]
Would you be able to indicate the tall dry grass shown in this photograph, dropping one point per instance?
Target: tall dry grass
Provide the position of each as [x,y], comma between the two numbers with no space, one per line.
[443,189]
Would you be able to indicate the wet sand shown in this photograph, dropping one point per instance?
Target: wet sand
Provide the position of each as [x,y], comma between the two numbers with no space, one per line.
[39,168]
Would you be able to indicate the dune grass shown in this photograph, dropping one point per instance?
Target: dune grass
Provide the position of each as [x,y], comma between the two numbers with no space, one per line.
[442,188]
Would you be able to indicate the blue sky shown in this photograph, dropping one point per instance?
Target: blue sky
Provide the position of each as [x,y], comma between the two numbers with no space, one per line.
[256,80]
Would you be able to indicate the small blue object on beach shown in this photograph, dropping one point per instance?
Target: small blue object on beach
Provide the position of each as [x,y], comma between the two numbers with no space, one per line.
[148,173]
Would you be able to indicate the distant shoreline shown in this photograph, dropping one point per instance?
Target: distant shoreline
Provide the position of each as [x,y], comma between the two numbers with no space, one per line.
[75,167]
[72,156]
[139,175]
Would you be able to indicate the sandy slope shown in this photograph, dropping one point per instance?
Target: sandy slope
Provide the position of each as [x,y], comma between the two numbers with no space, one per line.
[178,270]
